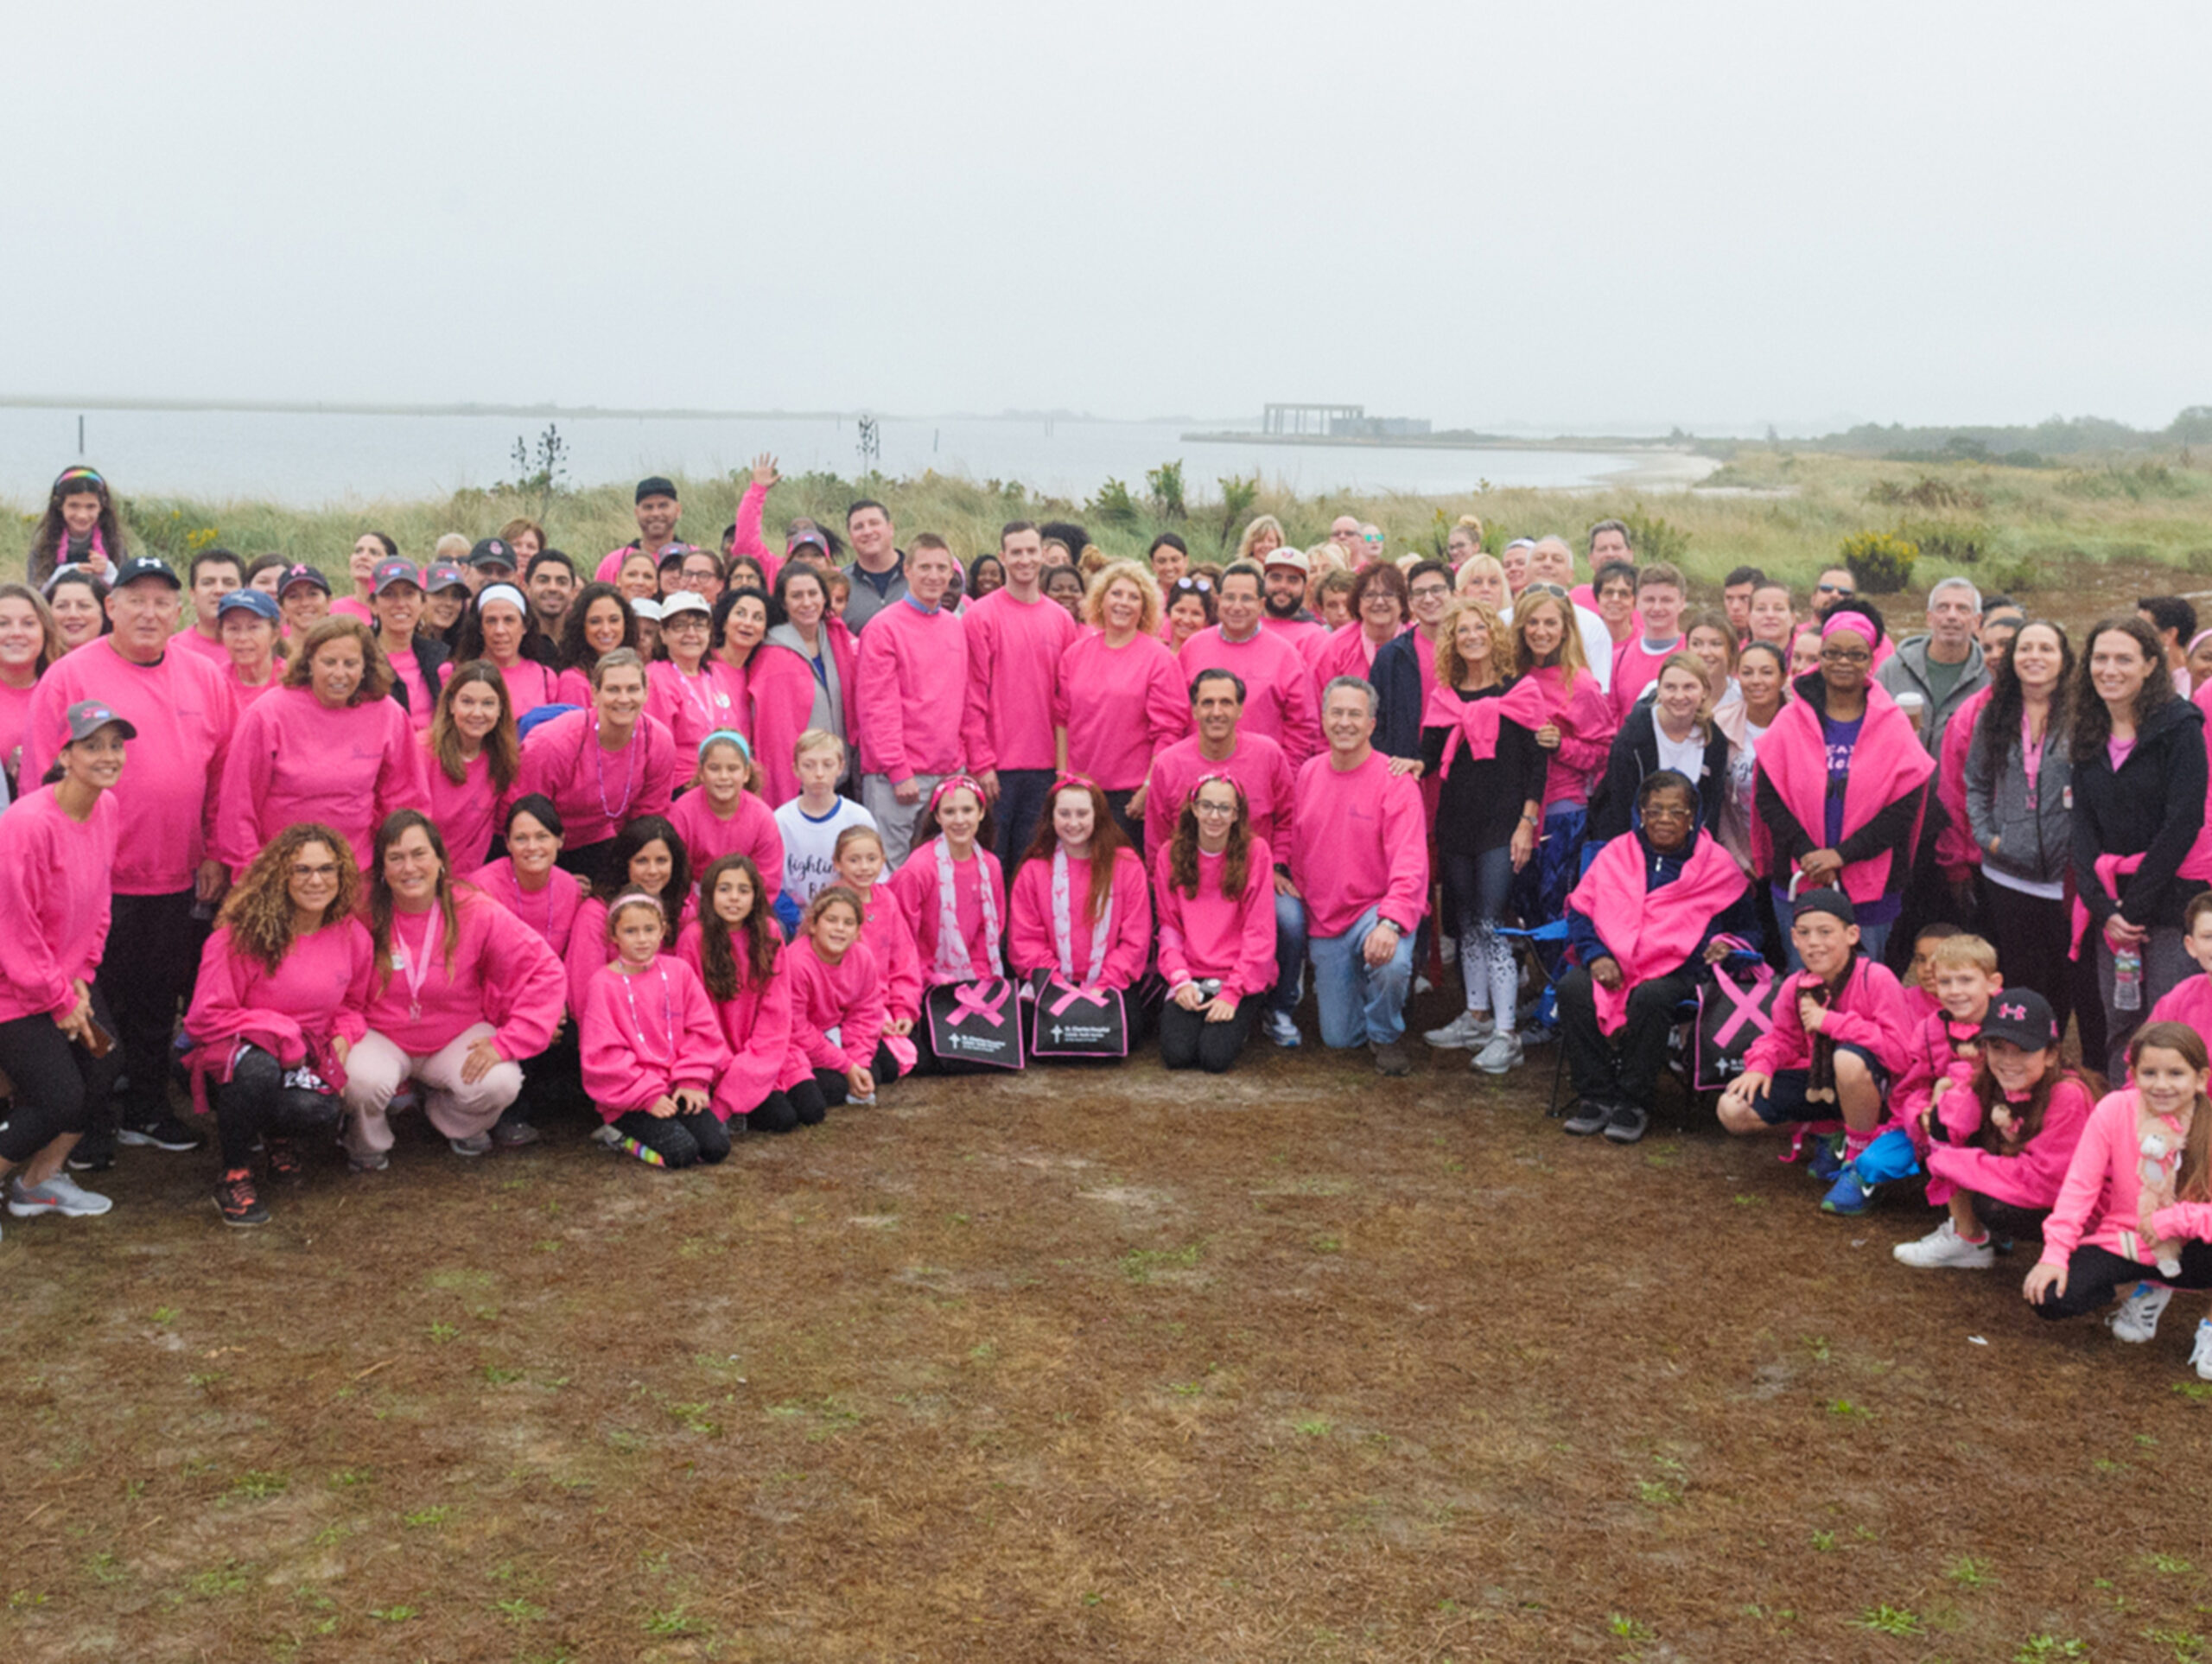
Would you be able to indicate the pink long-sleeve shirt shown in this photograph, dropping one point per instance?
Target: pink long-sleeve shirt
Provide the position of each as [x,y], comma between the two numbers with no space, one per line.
[56,883]
[1213,934]
[1257,765]
[1120,706]
[751,831]
[1013,664]
[1870,1012]
[693,707]
[15,716]
[1278,686]
[184,710]
[531,684]
[914,887]
[502,975]
[1358,841]
[590,947]
[1636,667]
[2102,1195]
[756,1025]
[294,760]
[598,791]
[847,996]
[1030,942]
[551,911]
[641,1037]
[1932,1055]
[2030,1178]
[884,929]
[2189,1000]
[912,677]
[470,811]
[319,992]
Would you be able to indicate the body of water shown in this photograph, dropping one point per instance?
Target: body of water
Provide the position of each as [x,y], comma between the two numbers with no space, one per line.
[305,459]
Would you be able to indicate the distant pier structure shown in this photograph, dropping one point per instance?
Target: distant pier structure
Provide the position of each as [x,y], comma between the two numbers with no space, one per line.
[1335,422]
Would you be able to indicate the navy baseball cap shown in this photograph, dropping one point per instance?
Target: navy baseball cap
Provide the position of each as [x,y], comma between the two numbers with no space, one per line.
[256,601]
[299,573]
[145,565]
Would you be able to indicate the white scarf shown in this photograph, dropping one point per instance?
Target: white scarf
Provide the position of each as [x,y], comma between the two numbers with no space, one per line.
[1063,930]
[953,962]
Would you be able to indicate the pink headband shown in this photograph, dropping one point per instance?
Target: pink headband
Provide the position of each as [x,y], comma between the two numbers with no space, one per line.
[954,783]
[1859,623]
[2195,642]
[1216,777]
[1065,782]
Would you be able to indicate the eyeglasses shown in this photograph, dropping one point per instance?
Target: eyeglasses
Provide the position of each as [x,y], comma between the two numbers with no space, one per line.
[1370,537]
[1221,811]
[1431,592]
[329,870]
[1666,812]
[1846,655]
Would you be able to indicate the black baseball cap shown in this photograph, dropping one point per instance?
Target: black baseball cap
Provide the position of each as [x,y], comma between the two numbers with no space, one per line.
[1833,903]
[2022,1016]
[492,551]
[655,486]
[145,565]
[300,574]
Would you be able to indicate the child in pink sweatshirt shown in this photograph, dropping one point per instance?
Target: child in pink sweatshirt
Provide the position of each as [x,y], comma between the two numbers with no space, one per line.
[1215,889]
[1080,912]
[737,951]
[837,1004]
[719,816]
[1944,1047]
[858,862]
[650,1046]
[953,893]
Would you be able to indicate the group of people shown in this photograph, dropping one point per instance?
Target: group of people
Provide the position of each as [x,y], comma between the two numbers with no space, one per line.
[707,839]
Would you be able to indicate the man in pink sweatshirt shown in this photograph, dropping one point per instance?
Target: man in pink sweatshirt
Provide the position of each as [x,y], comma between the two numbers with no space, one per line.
[1015,638]
[910,684]
[1359,862]
[166,883]
[1278,686]
[1288,570]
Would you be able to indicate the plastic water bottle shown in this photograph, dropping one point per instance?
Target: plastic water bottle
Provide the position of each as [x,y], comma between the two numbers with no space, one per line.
[2127,980]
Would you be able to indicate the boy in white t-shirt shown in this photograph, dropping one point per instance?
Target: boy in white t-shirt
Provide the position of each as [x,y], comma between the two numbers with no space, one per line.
[809,823]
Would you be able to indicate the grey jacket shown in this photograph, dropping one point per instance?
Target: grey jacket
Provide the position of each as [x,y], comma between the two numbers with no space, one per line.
[1907,668]
[2036,846]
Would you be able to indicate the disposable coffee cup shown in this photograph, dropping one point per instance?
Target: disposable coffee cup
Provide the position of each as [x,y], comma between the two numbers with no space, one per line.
[1913,706]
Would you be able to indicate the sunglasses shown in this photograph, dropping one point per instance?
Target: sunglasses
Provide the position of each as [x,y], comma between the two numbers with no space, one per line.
[1835,589]
[1203,586]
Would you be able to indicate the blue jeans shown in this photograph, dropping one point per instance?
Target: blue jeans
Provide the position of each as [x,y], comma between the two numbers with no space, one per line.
[1356,1003]
[1022,792]
[1290,953]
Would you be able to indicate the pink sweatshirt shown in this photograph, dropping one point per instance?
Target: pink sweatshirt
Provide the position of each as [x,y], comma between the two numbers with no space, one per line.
[756,1024]
[1870,1012]
[2028,1180]
[641,1037]
[1121,707]
[1306,635]
[191,641]
[590,947]
[1013,664]
[1358,841]
[2101,1197]
[598,791]
[1257,765]
[1636,668]
[15,715]
[1030,942]
[751,831]
[1211,934]
[2189,1000]
[780,692]
[502,975]
[551,911]
[469,813]
[847,996]
[294,760]
[1278,686]
[911,675]
[184,711]
[914,887]
[319,992]
[891,939]
[1933,1053]
[693,707]
[53,906]
[573,687]
[530,685]
[1347,652]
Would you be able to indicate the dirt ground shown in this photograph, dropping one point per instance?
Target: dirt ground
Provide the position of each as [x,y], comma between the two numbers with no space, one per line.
[1297,1364]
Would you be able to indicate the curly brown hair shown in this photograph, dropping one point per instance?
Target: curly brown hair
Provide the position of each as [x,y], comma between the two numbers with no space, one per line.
[718,967]
[376,671]
[258,909]
[1183,849]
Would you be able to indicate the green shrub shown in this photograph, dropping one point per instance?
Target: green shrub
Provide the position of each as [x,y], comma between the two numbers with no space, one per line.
[1113,505]
[1948,543]
[1653,539]
[1880,560]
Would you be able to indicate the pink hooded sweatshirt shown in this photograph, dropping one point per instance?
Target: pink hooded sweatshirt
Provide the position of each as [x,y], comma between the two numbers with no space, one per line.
[317,994]
[751,831]
[2030,1178]
[847,996]
[184,710]
[1257,765]
[295,759]
[1033,946]
[641,1037]
[551,911]
[1120,706]
[915,888]
[1936,1049]
[1213,934]
[1956,850]
[912,674]
[598,791]
[891,939]
[1279,699]
[54,906]
[1587,725]
[1359,840]
[782,702]
[502,974]
[1013,664]
[756,1024]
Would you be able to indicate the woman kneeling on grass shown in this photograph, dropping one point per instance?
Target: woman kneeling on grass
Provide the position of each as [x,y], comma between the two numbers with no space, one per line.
[278,1006]
[2137,1203]
[737,950]
[1997,1150]
[651,1047]
[1216,891]
[838,1004]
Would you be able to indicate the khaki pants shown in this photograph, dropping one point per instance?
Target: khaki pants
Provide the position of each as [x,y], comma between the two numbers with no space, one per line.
[375,1068]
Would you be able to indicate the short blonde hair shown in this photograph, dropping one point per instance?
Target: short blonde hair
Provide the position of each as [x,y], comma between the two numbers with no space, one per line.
[1450,667]
[1260,523]
[1326,557]
[1477,565]
[1114,572]
[1961,952]
[816,739]
[454,546]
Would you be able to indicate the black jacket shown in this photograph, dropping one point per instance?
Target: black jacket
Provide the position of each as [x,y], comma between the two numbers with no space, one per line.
[1635,754]
[2153,807]
[1399,697]
[430,655]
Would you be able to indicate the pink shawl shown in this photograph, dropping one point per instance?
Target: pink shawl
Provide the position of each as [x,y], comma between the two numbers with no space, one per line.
[1889,762]
[1649,933]
[1474,723]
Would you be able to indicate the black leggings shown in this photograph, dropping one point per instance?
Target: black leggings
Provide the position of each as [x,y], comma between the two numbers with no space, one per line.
[2093,1275]
[831,1083]
[256,1104]
[1188,1041]
[679,1140]
[59,1084]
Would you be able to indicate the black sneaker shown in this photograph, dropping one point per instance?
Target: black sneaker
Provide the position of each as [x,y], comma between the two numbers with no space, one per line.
[237,1200]
[166,1133]
[1588,1118]
[1628,1123]
[284,1164]
[93,1153]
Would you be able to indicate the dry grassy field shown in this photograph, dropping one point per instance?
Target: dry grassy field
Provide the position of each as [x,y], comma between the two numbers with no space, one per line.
[1299,1364]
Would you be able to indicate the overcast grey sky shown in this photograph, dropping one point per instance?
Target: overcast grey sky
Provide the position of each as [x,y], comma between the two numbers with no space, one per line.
[1565,215]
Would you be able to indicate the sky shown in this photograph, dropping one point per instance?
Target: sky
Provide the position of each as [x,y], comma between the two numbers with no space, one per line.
[1566,216]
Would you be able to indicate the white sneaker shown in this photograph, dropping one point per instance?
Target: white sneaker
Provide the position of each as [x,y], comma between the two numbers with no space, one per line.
[1466,1032]
[1944,1246]
[2137,1318]
[1503,1052]
[60,1194]
[2200,1355]
[475,1144]
[1280,1029]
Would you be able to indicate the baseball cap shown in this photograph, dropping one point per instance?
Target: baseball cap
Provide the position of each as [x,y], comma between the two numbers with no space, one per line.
[256,601]
[655,486]
[1294,558]
[492,551]
[88,716]
[146,566]
[396,571]
[1833,903]
[806,535]
[443,575]
[646,607]
[302,574]
[682,601]
[2022,1016]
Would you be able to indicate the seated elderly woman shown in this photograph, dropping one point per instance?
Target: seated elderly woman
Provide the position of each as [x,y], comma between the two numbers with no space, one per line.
[1653,910]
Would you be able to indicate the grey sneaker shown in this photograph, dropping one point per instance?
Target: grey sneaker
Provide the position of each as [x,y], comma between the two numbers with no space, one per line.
[374,1162]
[60,1194]
[1503,1052]
[1588,1118]
[1392,1059]
[1468,1032]
[475,1144]
[515,1134]
[1627,1124]
[1280,1029]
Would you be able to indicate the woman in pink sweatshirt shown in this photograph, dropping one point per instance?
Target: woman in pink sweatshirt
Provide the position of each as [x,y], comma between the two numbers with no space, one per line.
[528,882]
[648,857]
[602,767]
[472,761]
[737,950]
[29,641]
[857,858]
[283,984]
[2135,1210]
[837,1004]
[687,687]
[953,893]
[1080,911]
[497,632]
[599,622]
[1119,700]
[1215,889]
[57,859]
[462,992]
[719,816]
[652,1048]
[330,745]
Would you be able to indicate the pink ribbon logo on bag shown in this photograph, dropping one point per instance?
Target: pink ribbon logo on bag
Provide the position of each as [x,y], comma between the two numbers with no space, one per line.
[966,1003]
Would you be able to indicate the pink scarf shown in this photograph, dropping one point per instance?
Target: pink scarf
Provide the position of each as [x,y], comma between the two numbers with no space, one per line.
[1889,763]
[1474,723]
[1649,933]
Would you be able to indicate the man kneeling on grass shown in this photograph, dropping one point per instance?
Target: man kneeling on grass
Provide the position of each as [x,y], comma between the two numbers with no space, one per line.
[1841,1035]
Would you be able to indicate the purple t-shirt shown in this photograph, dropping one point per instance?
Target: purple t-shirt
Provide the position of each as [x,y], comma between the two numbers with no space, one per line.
[1843,740]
